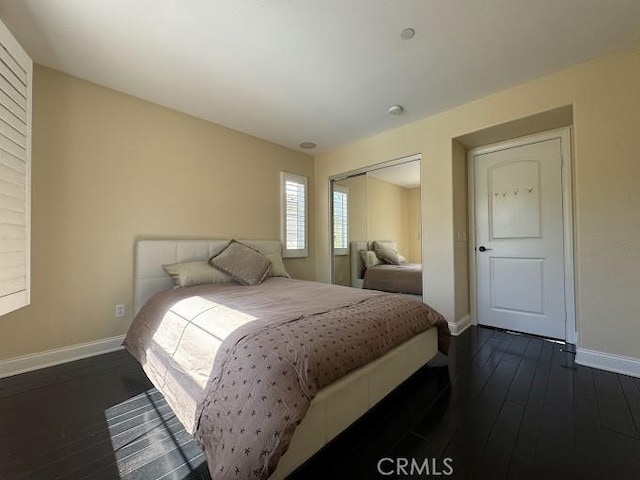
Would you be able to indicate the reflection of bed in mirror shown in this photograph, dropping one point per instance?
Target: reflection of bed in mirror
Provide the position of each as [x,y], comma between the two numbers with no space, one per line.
[405,278]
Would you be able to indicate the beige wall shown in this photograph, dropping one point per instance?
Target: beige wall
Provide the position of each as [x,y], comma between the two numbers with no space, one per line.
[460,225]
[605,97]
[108,169]
[414,255]
[387,212]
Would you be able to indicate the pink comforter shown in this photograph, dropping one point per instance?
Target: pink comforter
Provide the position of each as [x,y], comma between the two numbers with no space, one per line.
[240,365]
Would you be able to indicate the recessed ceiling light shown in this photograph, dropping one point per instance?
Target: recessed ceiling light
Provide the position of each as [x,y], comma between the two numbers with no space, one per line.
[407,33]
[396,109]
[308,145]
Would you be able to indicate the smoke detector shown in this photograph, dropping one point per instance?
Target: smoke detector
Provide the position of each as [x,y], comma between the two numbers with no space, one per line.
[407,33]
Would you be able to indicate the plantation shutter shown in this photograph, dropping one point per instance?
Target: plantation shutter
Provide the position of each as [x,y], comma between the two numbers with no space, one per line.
[15,173]
[340,220]
[294,215]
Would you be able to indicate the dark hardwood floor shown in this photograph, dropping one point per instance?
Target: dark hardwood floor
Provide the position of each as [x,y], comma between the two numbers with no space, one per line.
[501,406]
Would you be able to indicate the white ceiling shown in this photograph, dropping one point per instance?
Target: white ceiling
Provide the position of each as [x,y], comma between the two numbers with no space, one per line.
[406,175]
[324,71]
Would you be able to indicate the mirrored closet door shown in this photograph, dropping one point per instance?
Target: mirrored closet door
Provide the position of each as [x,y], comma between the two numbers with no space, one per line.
[376,228]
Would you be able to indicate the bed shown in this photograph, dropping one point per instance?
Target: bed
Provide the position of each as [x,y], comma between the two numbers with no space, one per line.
[315,400]
[405,278]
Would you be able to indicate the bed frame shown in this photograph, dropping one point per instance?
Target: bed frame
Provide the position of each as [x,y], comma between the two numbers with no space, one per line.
[336,406]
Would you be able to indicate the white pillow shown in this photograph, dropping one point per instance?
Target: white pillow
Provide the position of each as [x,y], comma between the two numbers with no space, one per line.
[277,265]
[369,258]
[195,273]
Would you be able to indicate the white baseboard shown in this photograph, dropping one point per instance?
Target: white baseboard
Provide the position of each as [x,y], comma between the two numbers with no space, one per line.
[608,361]
[27,363]
[460,326]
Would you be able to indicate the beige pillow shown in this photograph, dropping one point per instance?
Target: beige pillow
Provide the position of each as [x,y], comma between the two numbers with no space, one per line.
[369,258]
[277,265]
[387,252]
[195,273]
[245,265]
[401,259]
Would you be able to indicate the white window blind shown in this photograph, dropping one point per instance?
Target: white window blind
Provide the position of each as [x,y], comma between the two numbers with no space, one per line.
[340,220]
[15,173]
[294,215]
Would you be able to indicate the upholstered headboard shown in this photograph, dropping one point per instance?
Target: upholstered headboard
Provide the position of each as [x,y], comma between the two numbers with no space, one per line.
[357,266]
[150,255]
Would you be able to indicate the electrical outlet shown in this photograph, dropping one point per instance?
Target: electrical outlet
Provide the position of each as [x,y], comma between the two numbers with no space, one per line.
[120,311]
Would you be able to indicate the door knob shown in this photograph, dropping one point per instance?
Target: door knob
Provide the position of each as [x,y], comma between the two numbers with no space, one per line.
[482,248]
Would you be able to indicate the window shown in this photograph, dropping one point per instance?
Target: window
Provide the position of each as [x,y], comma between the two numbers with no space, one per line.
[294,215]
[15,173]
[340,220]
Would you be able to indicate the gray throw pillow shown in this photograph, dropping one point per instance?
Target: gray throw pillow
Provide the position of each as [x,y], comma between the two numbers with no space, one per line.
[244,264]
[387,252]
[195,273]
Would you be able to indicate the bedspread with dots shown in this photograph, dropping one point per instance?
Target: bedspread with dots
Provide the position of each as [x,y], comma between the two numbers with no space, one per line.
[289,340]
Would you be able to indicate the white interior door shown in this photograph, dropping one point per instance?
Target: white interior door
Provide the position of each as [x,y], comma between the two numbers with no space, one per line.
[520,238]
